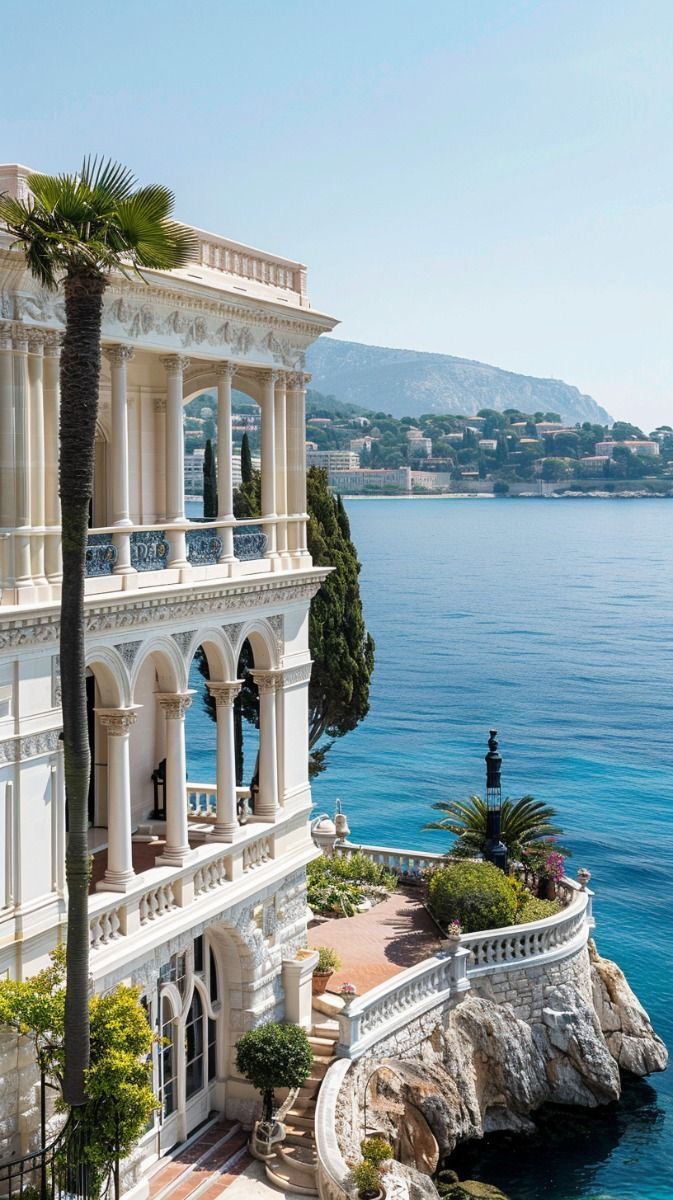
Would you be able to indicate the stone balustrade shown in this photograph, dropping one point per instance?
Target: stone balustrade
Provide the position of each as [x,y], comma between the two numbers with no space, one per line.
[202,800]
[518,946]
[220,254]
[148,547]
[380,1012]
[408,864]
[162,890]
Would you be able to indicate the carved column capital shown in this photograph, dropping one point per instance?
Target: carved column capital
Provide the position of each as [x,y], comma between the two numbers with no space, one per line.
[298,380]
[224,694]
[20,338]
[119,354]
[225,370]
[36,340]
[52,342]
[117,721]
[174,704]
[267,681]
[174,364]
[5,335]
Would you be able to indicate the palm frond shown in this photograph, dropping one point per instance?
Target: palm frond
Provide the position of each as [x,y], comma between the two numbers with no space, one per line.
[105,177]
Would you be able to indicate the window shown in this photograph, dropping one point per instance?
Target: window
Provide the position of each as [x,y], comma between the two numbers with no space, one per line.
[198,954]
[175,971]
[212,977]
[167,1061]
[194,1046]
[212,1048]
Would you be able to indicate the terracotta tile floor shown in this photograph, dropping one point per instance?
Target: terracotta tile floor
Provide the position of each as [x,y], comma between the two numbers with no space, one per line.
[172,1173]
[144,854]
[374,946]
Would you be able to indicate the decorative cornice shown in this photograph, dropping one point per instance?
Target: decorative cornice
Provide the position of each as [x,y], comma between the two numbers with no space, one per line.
[117,721]
[293,676]
[174,704]
[32,746]
[119,354]
[224,694]
[144,611]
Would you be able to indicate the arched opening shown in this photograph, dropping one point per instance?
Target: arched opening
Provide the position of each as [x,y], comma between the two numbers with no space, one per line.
[194,1019]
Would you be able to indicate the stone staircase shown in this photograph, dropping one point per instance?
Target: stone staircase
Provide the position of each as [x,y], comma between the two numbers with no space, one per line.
[292,1165]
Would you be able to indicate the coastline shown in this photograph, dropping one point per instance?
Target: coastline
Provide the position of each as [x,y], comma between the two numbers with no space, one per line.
[523,496]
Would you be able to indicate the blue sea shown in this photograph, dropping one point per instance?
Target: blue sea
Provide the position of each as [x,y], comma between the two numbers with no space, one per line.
[552,621]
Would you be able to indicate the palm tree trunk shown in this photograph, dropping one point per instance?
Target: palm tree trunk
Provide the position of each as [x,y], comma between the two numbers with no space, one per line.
[80,369]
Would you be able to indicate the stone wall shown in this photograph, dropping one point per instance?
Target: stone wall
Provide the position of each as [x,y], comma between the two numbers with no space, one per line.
[525,988]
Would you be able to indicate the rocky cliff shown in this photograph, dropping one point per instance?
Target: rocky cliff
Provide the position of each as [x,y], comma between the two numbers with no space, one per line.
[483,1068]
[407,383]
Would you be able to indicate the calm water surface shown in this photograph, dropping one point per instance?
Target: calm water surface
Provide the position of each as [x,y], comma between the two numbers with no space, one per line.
[553,621]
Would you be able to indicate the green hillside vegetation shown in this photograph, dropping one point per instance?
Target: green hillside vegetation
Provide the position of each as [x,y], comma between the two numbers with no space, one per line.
[521,451]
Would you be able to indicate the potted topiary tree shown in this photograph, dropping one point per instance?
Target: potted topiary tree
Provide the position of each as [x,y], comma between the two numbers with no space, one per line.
[274,1056]
[328,963]
[366,1177]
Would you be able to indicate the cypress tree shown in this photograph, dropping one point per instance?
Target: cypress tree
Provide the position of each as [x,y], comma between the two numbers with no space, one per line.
[209,483]
[246,460]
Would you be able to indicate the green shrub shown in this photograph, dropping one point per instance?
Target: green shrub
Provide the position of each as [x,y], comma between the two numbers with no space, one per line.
[274,1056]
[474,893]
[328,960]
[334,896]
[376,1150]
[533,909]
[340,884]
[366,1179]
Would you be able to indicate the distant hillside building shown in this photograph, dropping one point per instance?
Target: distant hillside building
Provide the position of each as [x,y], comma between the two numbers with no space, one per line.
[488,444]
[359,444]
[402,478]
[417,445]
[647,447]
[333,460]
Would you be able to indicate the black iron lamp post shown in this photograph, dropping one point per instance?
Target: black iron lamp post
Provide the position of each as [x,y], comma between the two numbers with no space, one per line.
[496,851]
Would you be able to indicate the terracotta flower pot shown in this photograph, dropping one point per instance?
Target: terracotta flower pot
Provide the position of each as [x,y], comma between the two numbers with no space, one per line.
[320,981]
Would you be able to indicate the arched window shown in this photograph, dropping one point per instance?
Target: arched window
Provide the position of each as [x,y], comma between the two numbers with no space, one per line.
[167,1080]
[194,1043]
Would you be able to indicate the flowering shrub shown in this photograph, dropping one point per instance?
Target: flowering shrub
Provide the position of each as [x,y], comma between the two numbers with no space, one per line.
[454,929]
[545,861]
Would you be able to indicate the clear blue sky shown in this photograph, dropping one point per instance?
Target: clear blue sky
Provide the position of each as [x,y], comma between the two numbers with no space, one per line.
[487,178]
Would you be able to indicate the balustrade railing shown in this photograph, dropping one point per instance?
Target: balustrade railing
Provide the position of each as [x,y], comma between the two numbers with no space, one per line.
[202,800]
[408,864]
[219,254]
[114,916]
[149,548]
[372,1017]
[515,946]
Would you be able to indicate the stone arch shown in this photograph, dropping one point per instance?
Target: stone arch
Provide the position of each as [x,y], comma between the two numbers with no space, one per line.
[204,379]
[111,675]
[168,662]
[263,642]
[218,652]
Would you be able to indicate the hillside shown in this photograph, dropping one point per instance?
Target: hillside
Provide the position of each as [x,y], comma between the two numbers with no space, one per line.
[412,382]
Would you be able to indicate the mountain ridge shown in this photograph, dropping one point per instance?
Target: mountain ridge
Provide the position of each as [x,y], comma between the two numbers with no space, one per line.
[411,382]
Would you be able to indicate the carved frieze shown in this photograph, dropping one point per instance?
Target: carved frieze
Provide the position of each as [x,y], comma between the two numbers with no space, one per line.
[293,676]
[32,746]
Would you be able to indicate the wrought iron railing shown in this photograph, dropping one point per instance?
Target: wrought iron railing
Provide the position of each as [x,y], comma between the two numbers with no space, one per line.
[61,1170]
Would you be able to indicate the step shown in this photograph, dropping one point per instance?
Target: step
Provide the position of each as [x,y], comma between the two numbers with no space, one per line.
[328,1005]
[216,1181]
[302,1120]
[283,1176]
[187,1162]
[309,1091]
[323,1046]
[303,1158]
[327,1029]
[297,1136]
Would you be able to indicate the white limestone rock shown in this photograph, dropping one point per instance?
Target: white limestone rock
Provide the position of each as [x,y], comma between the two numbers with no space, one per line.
[579,1067]
[628,1030]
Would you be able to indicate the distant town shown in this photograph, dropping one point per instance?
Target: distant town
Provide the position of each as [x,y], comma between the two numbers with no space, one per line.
[509,453]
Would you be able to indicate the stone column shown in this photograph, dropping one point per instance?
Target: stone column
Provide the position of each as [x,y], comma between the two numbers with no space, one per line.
[37,462]
[119,872]
[22,491]
[296,420]
[6,428]
[174,706]
[118,356]
[269,460]
[52,503]
[175,366]
[226,821]
[281,463]
[225,372]
[267,802]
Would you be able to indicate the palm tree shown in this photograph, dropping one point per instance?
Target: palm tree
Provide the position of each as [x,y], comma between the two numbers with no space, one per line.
[522,823]
[74,231]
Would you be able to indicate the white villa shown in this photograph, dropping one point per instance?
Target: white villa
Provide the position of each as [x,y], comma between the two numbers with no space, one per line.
[195,900]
